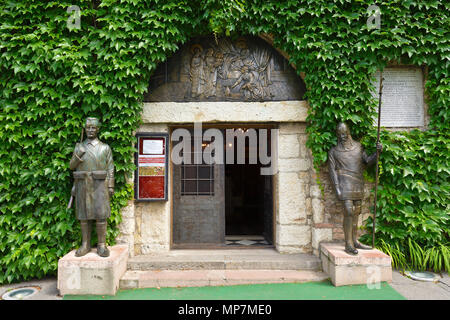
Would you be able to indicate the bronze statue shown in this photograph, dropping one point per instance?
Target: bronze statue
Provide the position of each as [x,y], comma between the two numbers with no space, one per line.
[346,162]
[94,185]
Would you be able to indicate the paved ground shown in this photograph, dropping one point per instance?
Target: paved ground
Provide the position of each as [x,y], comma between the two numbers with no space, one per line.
[421,290]
[408,288]
[48,290]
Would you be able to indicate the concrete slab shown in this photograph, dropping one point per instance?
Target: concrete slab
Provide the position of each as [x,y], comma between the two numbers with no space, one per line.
[367,267]
[195,278]
[224,259]
[92,274]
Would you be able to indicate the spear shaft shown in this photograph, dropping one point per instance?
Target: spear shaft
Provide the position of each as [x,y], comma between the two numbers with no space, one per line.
[378,157]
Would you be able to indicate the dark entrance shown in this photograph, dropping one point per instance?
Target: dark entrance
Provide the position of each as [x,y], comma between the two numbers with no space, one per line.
[248,201]
[223,205]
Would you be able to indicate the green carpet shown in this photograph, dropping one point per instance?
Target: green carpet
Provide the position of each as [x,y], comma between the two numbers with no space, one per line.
[280,291]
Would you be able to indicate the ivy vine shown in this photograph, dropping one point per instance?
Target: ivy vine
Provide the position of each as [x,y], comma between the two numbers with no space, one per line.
[53,76]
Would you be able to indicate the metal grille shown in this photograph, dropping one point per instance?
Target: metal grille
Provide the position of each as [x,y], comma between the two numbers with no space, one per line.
[197,180]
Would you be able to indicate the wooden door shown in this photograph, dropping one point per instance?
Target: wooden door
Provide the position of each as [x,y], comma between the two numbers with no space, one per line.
[198,204]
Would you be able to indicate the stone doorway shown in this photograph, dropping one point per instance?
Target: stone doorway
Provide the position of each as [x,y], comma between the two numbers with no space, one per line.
[225,205]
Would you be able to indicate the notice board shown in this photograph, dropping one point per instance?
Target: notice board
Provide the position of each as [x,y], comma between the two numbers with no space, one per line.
[151,175]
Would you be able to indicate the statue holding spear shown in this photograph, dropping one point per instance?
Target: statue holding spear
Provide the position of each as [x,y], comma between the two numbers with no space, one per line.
[346,163]
[378,157]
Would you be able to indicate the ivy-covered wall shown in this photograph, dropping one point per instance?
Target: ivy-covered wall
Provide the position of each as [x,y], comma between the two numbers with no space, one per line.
[52,77]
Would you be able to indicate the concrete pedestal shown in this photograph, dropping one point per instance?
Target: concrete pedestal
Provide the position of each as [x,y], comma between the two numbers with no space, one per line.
[367,267]
[92,274]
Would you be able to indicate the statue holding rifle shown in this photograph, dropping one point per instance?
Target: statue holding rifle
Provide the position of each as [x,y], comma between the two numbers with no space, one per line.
[93,167]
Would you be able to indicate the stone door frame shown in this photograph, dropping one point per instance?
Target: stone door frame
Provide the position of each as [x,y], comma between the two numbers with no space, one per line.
[220,125]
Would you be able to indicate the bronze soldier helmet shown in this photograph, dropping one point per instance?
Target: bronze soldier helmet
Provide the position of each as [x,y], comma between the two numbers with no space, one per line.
[343,132]
[342,126]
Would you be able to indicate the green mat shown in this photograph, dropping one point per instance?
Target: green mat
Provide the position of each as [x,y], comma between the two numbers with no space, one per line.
[279,291]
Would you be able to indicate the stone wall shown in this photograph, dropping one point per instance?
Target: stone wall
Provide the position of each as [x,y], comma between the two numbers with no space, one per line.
[127,227]
[145,226]
[293,219]
[152,227]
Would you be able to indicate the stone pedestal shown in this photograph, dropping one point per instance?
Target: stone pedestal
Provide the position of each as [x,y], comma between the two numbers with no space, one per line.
[92,274]
[367,267]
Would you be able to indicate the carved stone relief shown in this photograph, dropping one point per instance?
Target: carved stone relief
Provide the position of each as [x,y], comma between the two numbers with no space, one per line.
[246,69]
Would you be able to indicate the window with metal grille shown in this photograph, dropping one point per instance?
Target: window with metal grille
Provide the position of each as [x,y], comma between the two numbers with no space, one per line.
[197,180]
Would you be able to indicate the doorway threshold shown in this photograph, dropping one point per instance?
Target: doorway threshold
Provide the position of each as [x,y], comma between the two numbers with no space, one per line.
[247,241]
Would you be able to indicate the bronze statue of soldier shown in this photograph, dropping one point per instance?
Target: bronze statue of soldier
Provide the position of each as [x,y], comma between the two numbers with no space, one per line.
[346,163]
[93,186]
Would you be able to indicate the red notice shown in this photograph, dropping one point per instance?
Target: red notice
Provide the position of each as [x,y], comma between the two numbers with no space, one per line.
[152,168]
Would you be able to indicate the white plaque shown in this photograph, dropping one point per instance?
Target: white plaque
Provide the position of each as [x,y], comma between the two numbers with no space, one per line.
[402,97]
[152,146]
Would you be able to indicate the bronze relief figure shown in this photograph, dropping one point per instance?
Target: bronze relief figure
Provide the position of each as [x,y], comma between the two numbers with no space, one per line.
[346,163]
[93,174]
[246,69]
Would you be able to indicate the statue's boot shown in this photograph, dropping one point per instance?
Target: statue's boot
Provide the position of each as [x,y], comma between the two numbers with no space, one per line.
[350,249]
[85,239]
[356,243]
[359,245]
[102,250]
[348,236]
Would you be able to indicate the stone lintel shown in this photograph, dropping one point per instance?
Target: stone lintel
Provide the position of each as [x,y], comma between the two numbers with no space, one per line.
[212,112]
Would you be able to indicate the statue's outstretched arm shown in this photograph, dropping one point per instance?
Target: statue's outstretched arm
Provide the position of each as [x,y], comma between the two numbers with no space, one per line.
[369,160]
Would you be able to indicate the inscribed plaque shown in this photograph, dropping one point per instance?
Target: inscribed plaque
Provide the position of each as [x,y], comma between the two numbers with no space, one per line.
[402,100]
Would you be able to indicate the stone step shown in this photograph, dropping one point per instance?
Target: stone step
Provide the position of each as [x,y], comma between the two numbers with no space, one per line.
[198,278]
[233,259]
